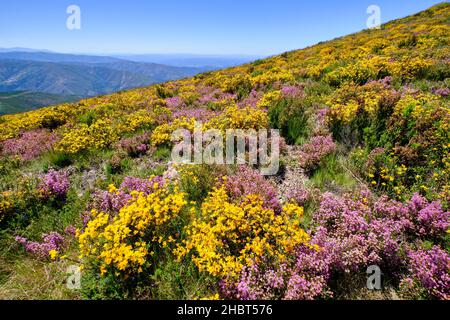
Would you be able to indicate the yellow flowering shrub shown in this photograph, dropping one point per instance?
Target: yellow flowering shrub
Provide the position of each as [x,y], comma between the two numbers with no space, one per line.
[5,203]
[163,133]
[272,76]
[233,84]
[344,112]
[360,71]
[228,236]
[188,94]
[13,124]
[83,137]
[409,68]
[315,71]
[137,120]
[418,106]
[232,117]
[268,99]
[126,242]
[239,118]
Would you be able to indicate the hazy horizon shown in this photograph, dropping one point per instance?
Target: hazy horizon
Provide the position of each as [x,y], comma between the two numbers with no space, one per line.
[114,54]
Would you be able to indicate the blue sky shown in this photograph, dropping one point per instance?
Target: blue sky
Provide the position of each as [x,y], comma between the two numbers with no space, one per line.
[253,27]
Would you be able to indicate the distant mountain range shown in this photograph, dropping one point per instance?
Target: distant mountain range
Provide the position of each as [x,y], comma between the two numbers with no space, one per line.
[55,77]
[80,75]
[192,60]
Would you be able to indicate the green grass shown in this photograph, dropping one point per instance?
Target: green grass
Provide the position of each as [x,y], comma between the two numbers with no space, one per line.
[23,276]
[333,174]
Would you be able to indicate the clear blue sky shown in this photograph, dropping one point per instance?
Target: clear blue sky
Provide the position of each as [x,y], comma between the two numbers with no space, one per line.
[254,27]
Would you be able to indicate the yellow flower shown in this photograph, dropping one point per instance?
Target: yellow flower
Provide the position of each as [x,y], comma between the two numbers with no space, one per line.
[53,254]
[112,188]
[121,242]
[228,236]
[212,297]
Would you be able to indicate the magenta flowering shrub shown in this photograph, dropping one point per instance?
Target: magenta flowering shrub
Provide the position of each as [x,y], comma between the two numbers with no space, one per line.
[50,241]
[174,103]
[251,100]
[70,230]
[292,92]
[364,233]
[310,275]
[430,219]
[417,216]
[54,184]
[431,269]
[29,145]
[356,232]
[212,98]
[145,186]
[443,92]
[113,200]
[200,114]
[315,150]
[136,146]
[352,233]
[257,282]
[319,123]
[109,201]
[304,278]
[247,181]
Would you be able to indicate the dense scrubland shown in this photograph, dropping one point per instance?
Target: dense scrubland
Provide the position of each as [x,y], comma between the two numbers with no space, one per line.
[364,180]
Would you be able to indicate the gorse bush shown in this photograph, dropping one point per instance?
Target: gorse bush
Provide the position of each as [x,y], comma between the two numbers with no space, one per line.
[229,236]
[126,241]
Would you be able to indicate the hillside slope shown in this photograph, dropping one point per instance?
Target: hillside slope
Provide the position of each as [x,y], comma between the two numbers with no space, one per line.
[364,180]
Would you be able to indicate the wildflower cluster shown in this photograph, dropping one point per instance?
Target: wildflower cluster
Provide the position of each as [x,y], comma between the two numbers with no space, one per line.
[229,236]
[127,241]
[84,137]
[430,269]
[250,182]
[114,199]
[54,184]
[315,150]
[351,234]
[51,245]
[29,145]
[135,146]
[5,203]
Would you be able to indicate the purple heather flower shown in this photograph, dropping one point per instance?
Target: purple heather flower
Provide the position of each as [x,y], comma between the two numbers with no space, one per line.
[51,241]
[55,183]
[250,182]
[29,145]
[431,269]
